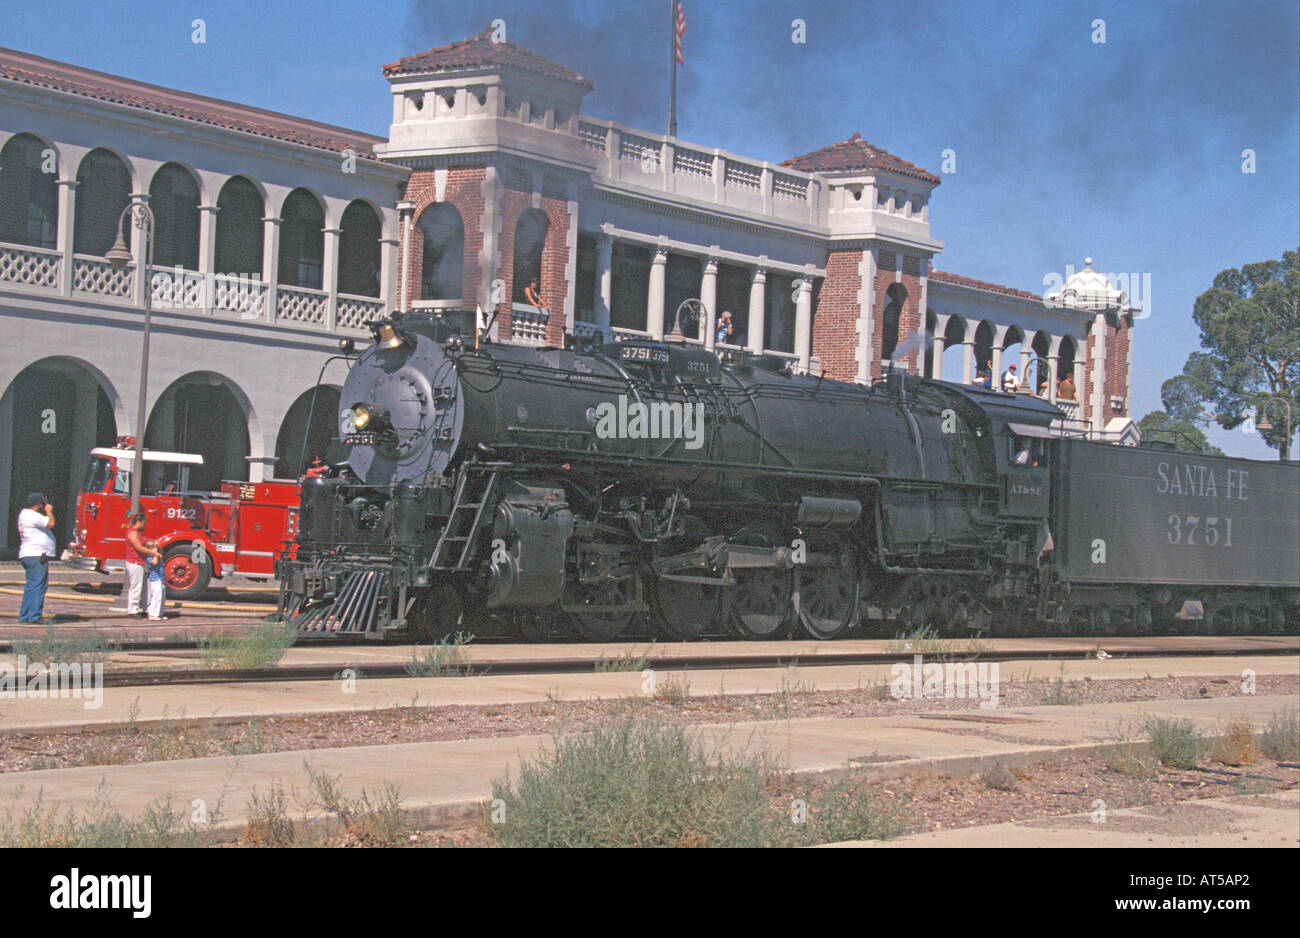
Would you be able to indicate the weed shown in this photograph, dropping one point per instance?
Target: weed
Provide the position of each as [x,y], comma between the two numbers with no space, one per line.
[64,648]
[447,658]
[998,777]
[926,640]
[1281,738]
[1060,692]
[849,809]
[366,821]
[253,742]
[268,818]
[1236,744]
[1127,759]
[629,661]
[790,691]
[160,825]
[673,689]
[260,647]
[1177,744]
[634,783]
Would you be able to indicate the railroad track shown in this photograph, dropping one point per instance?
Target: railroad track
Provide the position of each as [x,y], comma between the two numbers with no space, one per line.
[575,665]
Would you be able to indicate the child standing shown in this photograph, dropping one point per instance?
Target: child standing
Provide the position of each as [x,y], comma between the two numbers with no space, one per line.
[157,587]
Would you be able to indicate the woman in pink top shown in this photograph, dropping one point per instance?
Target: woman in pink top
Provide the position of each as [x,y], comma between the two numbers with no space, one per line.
[138,552]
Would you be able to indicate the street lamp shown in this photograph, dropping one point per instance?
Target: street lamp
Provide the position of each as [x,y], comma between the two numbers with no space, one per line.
[142,219]
[1263,425]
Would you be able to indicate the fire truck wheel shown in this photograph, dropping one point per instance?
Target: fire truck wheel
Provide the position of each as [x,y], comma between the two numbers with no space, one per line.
[186,578]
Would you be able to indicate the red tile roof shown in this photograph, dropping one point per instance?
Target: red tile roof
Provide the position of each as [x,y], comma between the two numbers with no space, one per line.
[856,153]
[483,51]
[958,280]
[59,76]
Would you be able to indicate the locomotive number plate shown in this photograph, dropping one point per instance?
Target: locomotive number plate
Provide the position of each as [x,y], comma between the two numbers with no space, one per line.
[641,353]
[359,439]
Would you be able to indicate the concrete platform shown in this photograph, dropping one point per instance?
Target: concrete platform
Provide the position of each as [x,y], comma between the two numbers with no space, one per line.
[1268,820]
[157,703]
[446,780]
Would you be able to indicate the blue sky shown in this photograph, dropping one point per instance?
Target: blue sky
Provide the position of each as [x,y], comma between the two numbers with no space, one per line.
[1127,151]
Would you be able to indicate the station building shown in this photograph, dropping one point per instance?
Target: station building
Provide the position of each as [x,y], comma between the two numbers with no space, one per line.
[277,236]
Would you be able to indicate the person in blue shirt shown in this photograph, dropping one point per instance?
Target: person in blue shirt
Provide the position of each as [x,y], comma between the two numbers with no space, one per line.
[157,585]
[724,328]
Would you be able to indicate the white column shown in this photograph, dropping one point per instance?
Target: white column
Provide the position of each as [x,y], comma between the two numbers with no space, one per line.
[1098,416]
[968,354]
[709,297]
[997,365]
[654,304]
[330,275]
[139,249]
[1054,365]
[63,237]
[757,308]
[387,272]
[406,213]
[936,355]
[604,283]
[207,255]
[271,263]
[803,324]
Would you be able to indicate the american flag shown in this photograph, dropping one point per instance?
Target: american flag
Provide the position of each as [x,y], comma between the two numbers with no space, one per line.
[679,29]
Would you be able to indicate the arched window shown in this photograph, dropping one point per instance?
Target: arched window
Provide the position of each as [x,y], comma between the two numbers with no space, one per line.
[29,198]
[443,255]
[1039,348]
[302,241]
[984,352]
[359,251]
[895,297]
[239,229]
[1065,369]
[174,198]
[530,238]
[103,190]
[931,323]
[1013,343]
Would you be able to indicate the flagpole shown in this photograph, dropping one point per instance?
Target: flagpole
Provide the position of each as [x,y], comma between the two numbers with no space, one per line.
[672,64]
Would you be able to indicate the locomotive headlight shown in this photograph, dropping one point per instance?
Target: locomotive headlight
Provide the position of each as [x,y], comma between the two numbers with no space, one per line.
[361,416]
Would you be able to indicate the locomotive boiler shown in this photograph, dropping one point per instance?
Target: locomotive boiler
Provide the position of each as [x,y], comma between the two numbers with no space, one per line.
[654,486]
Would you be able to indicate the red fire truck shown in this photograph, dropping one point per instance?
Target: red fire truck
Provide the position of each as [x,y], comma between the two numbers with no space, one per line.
[239,529]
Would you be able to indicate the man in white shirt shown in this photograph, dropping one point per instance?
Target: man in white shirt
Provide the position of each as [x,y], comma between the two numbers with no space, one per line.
[1009,379]
[35,548]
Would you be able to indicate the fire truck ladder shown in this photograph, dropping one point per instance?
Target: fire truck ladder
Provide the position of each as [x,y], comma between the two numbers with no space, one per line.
[466,521]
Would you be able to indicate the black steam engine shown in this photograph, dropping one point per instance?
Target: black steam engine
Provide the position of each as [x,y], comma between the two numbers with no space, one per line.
[614,482]
[652,487]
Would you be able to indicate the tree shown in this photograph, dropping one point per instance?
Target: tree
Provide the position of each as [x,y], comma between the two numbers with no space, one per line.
[1250,336]
[1184,434]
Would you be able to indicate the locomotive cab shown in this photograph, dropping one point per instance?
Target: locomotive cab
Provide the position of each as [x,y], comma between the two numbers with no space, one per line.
[1026,479]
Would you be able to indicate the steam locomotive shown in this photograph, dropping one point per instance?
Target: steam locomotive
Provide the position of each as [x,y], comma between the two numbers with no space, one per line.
[607,489]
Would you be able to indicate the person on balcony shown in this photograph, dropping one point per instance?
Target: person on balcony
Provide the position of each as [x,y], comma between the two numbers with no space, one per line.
[1009,379]
[1065,390]
[725,328]
[533,295]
